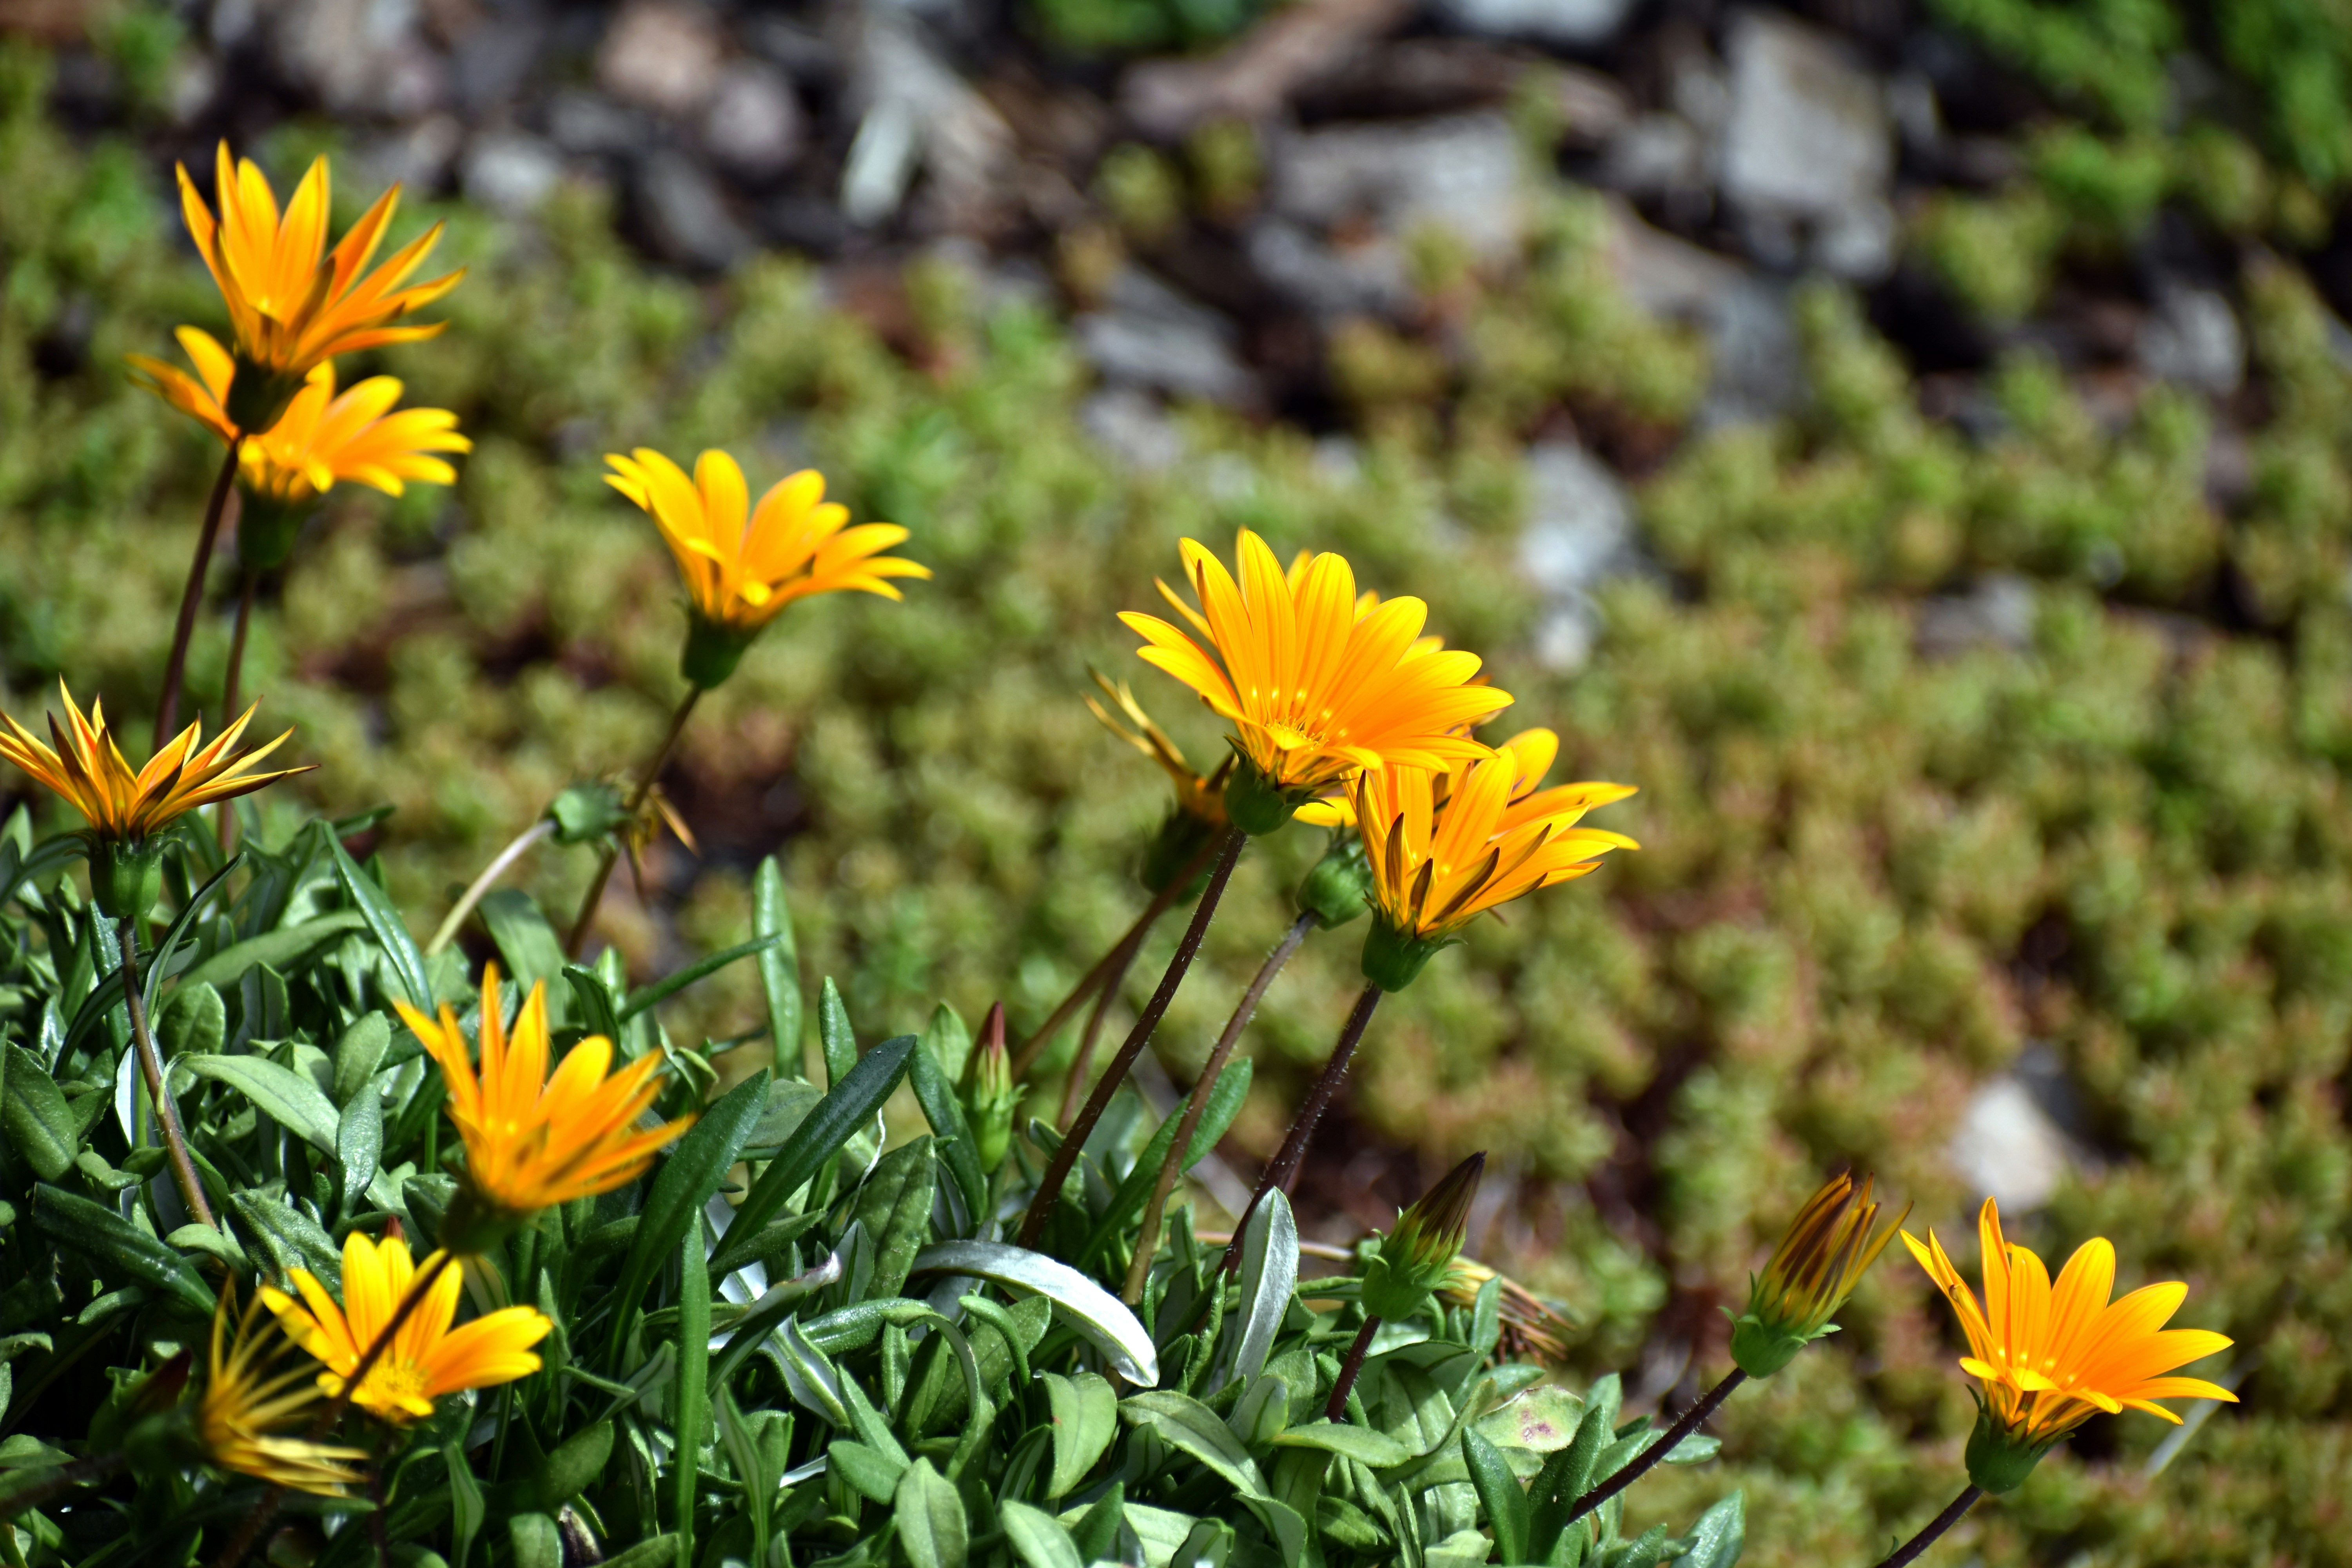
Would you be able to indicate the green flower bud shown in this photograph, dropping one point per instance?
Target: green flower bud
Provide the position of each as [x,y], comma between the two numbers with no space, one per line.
[1417,1256]
[1394,958]
[1340,888]
[1253,803]
[713,649]
[474,1222]
[1823,1255]
[1180,838]
[991,1099]
[1999,1460]
[585,813]
[266,527]
[125,879]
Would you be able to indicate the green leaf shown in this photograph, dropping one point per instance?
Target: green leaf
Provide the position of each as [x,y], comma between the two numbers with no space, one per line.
[1499,1490]
[935,1092]
[383,920]
[869,1473]
[1225,1100]
[949,1040]
[851,1104]
[529,945]
[291,1238]
[687,1178]
[1086,1418]
[1567,1474]
[656,1551]
[1269,1275]
[780,965]
[33,1112]
[358,1145]
[670,985]
[1644,1552]
[359,1051]
[1097,1316]
[537,1542]
[790,1100]
[1361,1444]
[283,950]
[1543,1419]
[1719,1536]
[466,1501]
[159,963]
[568,1470]
[599,1005]
[48,856]
[1192,1428]
[1096,1532]
[288,1097]
[1037,1537]
[107,1239]
[193,1021]
[896,1206]
[692,1423]
[931,1528]
[1695,1449]
[834,1033]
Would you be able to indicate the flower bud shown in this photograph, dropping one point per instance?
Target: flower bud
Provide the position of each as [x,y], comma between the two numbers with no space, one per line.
[1828,1248]
[1173,848]
[257,397]
[1417,1256]
[475,1223]
[991,1099]
[266,527]
[1340,888]
[1254,803]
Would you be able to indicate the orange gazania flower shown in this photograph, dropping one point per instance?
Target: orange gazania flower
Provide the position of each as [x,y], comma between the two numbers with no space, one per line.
[795,543]
[1314,691]
[1199,795]
[128,805]
[250,1401]
[292,304]
[427,1358]
[534,1140]
[323,437]
[203,397]
[2049,1358]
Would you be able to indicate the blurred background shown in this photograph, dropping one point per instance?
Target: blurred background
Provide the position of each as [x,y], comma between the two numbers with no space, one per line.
[1908,438]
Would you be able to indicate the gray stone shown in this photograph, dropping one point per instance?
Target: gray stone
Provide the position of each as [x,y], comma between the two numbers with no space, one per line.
[684,214]
[360,58]
[662,55]
[1999,611]
[417,157]
[1655,153]
[755,127]
[1579,532]
[2192,338]
[2009,1149]
[1365,278]
[511,172]
[1148,335]
[918,113]
[589,124]
[1573,23]
[1132,426]
[1757,372]
[1461,173]
[493,61]
[1807,138]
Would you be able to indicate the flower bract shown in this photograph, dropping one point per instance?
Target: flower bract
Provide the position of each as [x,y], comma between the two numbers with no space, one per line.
[250,1401]
[427,1357]
[535,1140]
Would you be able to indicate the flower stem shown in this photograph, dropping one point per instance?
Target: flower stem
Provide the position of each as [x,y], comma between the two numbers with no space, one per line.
[456,920]
[1075,1087]
[1643,1461]
[167,707]
[587,919]
[1911,1549]
[1122,953]
[1282,1170]
[151,1064]
[1049,1190]
[1147,1240]
[1336,1409]
[231,693]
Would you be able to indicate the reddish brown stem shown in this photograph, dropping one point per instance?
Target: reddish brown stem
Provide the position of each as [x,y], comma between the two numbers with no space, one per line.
[586,920]
[1282,1170]
[191,598]
[1911,1549]
[1122,953]
[1336,1409]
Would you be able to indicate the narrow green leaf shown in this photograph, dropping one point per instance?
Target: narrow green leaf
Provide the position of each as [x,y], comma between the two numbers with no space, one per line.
[1097,1534]
[107,1239]
[568,1470]
[834,1033]
[687,1178]
[385,922]
[34,1114]
[1192,1428]
[1269,1275]
[193,1021]
[525,940]
[871,1475]
[158,963]
[1037,1537]
[289,1238]
[1499,1490]
[935,1092]
[465,1499]
[288,1097]
[1086,1418]
[896,1206]
[848,1107]
[1360,1443]
[1567,1474]
[780,965]
[657,1552]
[693,1391]
[931,1528]
[1225,1101]
[537,1542]
[1099,1317]
[670,985]
[359,1146]
[599,1011]
[1719,1536]
[949,1040]
[283,950]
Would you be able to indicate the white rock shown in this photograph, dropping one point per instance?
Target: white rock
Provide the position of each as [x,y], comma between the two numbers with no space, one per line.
[1580,531]
[2192,337]
[1131,425]
[360,58]
[918,113]
[1999,611]
[1461,171]
[1808,137]
[755,126]
[1656,153]
[1572,23]
[417,157]
[1149,335]
[662,55]
[684,215]
[2009,1149]
[511,172]
[1367,278]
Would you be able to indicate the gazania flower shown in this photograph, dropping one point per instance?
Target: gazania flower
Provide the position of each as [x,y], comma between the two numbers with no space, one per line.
[740,569]
[532,1140]
[1532,1327]
[250,1401]
[1436,867]
[323,438]
[1828,1248]
[203,397]
[126,808]
[2049,1358]
[1531,752]
[293,305]
[1200,810]
[1417,1256]
[427,1358]
[1314,692]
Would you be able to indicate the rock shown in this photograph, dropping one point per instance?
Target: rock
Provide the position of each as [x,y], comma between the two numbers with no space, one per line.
[920,112]
[511,172]
[1564,23]
[683,213]
[1654,154]
[1999,611]
[662,55]
[1326,280]
[2192,338]
[359,58]
[798,52]
[1580,531]
[1132,426]
[1807,139]
[1253,77]
[418,157]
[588,124]
[492,60]
[755,127]
[2008,1148]
[1461,173]
[1757,372]
[1148,335]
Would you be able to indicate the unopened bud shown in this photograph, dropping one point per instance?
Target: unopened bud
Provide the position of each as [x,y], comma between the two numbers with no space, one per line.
[991,1099]
[1828,1247]
[1340,888]
[1417,1256]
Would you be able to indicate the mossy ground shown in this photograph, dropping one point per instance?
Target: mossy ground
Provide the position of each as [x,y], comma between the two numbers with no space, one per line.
[1868,878]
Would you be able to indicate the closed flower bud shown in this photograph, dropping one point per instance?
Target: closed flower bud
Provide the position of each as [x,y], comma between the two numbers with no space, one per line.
[991,1099]
[1340,888]
[1828,1248]
[1417,1256]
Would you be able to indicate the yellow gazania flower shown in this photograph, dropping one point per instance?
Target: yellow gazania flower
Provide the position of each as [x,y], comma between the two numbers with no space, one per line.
[292,304]
[1199,795]
[246,1405]
[532,1140]
[1315,693]
[1531,754]
[2049,1358]
[323,438]
[203,397]
[1532,1327]
[427,1358]
[88,768]
[1827,1250]
[738,577]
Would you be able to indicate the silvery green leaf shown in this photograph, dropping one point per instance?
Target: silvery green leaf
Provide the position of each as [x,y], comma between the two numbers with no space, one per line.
[1542,1419]
[1258,1416]
[1360,1443]
[1097,1315]
[931,1528]
[1719,1536]
[1190,1428]
[1085,1419]
[810,1374]
[1269,1275]
[1038,1538]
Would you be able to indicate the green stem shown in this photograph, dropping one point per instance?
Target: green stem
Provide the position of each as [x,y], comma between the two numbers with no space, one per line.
[151,1065]
[456,920]
[192,598]
[1057,1168]
[1911,1549]
[1170,1169]
[587,919]
[693,1385]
